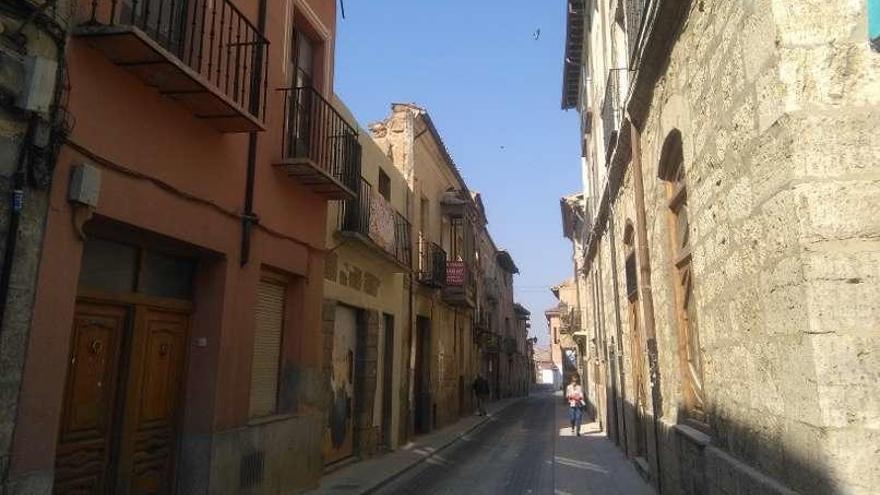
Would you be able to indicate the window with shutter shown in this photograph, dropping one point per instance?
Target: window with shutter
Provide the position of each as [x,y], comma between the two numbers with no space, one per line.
[672,171]
[268,329]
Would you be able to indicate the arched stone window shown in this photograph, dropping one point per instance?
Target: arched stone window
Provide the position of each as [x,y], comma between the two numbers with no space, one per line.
[672,171]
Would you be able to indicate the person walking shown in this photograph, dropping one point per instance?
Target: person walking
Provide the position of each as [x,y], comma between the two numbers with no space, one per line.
[575,396]
[481,391]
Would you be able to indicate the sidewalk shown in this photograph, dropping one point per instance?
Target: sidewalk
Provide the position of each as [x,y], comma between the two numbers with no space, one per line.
[367,476]
[591,464]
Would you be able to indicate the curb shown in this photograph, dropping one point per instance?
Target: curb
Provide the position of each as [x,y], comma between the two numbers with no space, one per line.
[439,449]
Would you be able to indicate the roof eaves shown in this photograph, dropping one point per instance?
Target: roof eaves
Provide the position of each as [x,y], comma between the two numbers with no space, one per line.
[574,39]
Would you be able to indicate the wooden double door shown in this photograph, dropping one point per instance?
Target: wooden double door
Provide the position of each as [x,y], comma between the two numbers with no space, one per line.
[125,376]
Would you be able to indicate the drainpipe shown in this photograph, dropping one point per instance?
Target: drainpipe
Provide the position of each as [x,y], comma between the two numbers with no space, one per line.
[645,295]
[621,426]
[250,219]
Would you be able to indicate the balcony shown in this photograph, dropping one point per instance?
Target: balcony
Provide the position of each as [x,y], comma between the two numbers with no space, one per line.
[610,110]
[204,54]
[459,289]
[635,12]
[370,219]
[571,321]
[319,148]
[432,264]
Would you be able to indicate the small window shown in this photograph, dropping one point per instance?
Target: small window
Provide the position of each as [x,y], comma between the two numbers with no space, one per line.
[384,185]
[117,267]
[108,266]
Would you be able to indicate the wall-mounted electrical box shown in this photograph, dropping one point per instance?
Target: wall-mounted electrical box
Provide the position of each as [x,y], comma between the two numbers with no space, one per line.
[85,185]
[39,85]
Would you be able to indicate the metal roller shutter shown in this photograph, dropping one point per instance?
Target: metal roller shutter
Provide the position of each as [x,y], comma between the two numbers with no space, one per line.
[269,316]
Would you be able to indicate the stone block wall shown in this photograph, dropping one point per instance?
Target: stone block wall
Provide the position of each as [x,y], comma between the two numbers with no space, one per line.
[776,102]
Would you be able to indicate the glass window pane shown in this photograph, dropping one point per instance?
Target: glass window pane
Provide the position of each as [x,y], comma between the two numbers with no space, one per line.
[167,276]
[108,266]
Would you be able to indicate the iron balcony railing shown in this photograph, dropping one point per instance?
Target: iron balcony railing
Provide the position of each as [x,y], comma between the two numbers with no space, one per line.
[432,264]
[610,108]
[571,320]
[315,131]
[635,11]
[355,216]
[211,37]
[355,213]
[402,240]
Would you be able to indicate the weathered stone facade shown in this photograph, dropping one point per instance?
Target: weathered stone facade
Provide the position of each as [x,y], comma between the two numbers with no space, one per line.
[31,47]
[769,105]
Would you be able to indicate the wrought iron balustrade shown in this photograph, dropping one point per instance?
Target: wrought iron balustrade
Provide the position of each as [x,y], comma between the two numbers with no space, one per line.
[205,53]
[355,213]
[635,11]
[402,240]
[319,146]
[432,264]
[571,321]
[610,110]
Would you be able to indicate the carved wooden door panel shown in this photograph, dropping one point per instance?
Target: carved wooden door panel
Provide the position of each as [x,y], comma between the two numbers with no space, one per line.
[147,456]
[85,449]
[125,378]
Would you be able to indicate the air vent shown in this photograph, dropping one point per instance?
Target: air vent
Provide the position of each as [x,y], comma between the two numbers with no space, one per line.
[251,470]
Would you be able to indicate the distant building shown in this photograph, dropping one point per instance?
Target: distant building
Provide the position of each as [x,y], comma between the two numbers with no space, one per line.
[463,317]
[567,345]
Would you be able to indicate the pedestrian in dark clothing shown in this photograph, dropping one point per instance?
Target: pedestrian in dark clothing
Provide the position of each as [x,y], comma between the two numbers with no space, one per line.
[481,391]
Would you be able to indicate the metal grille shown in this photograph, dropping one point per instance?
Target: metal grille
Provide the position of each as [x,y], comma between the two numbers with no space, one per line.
[355,213]
[610,109]
[635,10]
[212,37]
[432,264]
[402,240]
[250,472]
[314,130]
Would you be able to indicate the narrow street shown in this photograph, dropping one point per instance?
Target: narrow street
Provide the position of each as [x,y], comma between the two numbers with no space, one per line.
[525,448]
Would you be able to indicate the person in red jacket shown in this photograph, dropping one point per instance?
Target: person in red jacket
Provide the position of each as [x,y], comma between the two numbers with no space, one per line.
[575,396]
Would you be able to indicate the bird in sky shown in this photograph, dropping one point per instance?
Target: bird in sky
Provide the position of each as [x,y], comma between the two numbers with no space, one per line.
[536,34]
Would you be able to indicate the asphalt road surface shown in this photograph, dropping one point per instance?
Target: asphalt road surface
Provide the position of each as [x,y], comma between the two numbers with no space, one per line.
[512,453]
[526,448]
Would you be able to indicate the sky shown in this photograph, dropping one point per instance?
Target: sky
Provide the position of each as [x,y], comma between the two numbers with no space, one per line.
[494,93]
